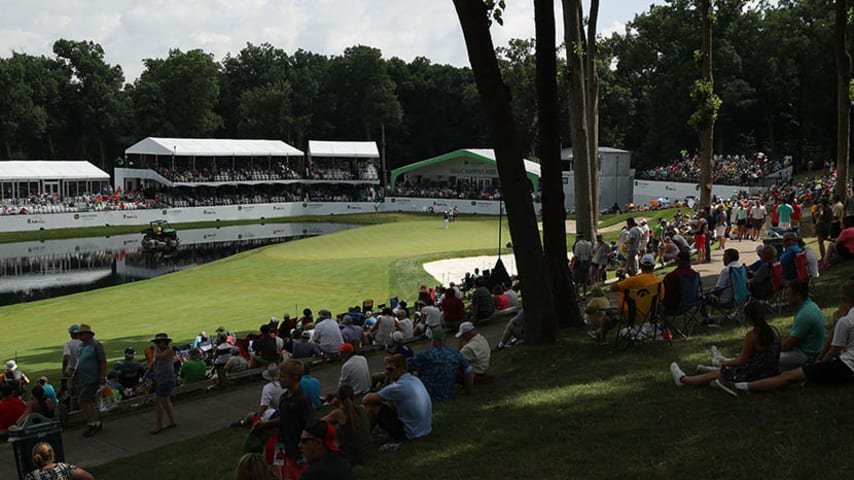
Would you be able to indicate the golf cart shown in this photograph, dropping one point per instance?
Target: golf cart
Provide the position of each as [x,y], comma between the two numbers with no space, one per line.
[159,236]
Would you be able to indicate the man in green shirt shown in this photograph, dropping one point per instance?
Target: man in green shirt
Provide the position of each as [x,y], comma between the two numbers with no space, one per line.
[194,370]
[806,340]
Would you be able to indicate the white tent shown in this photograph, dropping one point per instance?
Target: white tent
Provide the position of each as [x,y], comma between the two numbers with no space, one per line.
[328,148]
[212,147]
[34,170]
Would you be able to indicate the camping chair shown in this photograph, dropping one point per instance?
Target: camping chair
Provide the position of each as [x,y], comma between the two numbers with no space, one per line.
[368,304]
[776,303]
[638,321]
[734,310]
[801,264]
[690,305]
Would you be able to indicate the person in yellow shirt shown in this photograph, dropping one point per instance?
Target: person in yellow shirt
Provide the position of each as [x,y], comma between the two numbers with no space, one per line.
[642,287]
[595,313]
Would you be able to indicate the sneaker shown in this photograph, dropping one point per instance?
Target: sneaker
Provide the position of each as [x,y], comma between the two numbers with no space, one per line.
[90,431]
[389,447]
[677,374]
[716,356]
[513,341]
[500,346]
[706,368]
[728,387]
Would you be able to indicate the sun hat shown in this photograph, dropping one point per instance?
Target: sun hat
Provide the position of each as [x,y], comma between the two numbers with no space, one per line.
[84,328]
[271,372]
[74,328]
[346,347]
[161,336]
[11,366]
[465,328]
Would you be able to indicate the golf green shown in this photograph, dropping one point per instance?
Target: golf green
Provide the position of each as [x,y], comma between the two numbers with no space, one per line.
[241,292]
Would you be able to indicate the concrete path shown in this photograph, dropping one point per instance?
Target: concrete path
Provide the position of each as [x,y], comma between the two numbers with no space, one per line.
[126,435]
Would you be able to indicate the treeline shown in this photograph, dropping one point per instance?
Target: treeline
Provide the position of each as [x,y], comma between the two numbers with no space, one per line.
[773,67]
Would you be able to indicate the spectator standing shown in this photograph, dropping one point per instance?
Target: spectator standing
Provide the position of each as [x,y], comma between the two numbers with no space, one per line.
[164,382]
[582,252]
[632,246]
[90,374]
[838,212]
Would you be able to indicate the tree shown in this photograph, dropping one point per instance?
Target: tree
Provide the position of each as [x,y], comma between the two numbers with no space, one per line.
[540,318]
[703,93]
[265,112]
[176,96]
[843,98]
[583,112]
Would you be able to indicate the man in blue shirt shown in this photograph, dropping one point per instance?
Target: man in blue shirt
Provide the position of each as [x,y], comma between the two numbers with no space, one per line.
[787,259]
[806,340]
[403,408]
[437,368]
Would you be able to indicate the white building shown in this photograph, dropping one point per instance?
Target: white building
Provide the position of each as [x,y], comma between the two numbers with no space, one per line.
[615,177]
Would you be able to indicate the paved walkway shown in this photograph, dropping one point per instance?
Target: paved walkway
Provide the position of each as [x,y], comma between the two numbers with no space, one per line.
[126,435]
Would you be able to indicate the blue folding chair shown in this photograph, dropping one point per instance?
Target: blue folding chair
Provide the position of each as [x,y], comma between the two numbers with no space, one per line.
[690,304]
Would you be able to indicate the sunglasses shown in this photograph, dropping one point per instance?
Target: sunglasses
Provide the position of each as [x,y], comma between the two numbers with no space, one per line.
[308,439]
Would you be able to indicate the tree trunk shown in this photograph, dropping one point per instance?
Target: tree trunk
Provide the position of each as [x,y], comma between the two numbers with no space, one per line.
[592,83]
[554,212]
[843,99]
[540,320]
[578,120]
[708,132]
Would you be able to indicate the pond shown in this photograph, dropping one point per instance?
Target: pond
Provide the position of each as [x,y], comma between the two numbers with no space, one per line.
[38,270]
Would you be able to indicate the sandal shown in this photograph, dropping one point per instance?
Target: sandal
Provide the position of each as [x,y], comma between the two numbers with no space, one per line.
[157,430]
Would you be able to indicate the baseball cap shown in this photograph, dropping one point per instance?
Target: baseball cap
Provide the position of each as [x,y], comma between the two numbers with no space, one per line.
[346,347]
[465,328]
[648,260]
[73,328]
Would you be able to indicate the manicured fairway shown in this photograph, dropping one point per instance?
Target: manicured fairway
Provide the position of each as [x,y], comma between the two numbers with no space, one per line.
[243,291]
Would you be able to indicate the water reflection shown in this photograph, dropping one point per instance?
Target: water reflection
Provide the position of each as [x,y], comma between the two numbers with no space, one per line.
[37,270]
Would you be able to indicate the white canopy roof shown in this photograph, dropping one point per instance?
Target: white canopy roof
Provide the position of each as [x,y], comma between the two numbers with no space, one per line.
[530,167]
[212,147]
[20,170]
[328,148]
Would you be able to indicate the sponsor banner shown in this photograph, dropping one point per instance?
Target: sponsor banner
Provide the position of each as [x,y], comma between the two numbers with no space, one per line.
[21,223]
[439,205]
[646,190]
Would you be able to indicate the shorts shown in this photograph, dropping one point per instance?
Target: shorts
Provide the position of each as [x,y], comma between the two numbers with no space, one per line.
[741,222]
[832,372]
[823,229]
[757,223]
[164,389]
[87,392]
[581,272]
[835,229]
[388,420]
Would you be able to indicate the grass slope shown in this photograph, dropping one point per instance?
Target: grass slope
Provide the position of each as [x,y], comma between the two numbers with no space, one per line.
[578,410]
[240,292]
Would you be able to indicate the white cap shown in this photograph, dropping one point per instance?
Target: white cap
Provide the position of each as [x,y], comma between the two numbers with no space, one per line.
[397,336]
[648,260]
[465,328]
[11,365]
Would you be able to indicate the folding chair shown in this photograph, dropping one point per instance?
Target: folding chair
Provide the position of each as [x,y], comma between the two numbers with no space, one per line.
[801,264]
[690,304]
[638,320]
[734,310]
[368,304]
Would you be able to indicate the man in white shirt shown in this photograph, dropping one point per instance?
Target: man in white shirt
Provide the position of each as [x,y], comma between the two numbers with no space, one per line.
[70,351]
[431,317]
[511,295]
[354,370]
[475,349]
[405,325]
[327,333]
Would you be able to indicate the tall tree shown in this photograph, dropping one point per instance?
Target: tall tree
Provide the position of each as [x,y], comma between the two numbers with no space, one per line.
[703,93]
[583,111]
[843,98]
[540,318]
[265,112]
[551,180]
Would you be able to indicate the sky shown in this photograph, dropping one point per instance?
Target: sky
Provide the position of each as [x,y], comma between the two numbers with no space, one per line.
[133,30]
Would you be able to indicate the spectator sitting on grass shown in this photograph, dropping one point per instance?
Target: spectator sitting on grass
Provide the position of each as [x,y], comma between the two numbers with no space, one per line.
[834,365]
[304,347]
[431,317]
[385,324]
[49,391]
[761,285]
[236,362]
[475,349]
[318,447]
[787,258]
[482,304]
[351,333]
[513,331]
[842,248]
[673,282]
[404,325]
[453,309]
[272,391]
[398,347]
[264,349]
[194,370]
[595,314]
[327,333]
[130,371]
[500,298]
[403,408]
[806,339]
[759,357]
[438,368]
[352,426]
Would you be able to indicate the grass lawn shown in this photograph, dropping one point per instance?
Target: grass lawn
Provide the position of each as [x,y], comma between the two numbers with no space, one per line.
[579,410]
[243,291]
